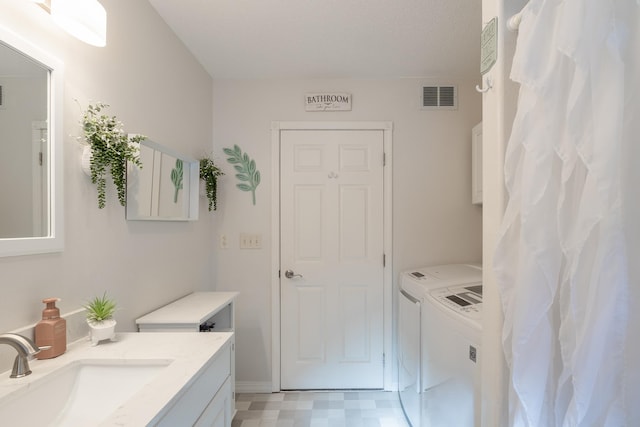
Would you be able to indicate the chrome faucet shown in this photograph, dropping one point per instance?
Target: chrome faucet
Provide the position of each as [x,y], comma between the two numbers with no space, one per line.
[26,351]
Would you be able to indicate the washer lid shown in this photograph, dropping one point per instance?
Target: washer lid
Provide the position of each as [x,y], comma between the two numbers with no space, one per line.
[446,274]
[465,300]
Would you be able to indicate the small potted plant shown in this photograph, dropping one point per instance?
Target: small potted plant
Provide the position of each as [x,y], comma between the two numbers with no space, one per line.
[111,149]
[100,319]
[209,173]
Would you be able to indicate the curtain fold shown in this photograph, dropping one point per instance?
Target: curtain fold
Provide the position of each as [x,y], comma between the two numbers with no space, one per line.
[562,260]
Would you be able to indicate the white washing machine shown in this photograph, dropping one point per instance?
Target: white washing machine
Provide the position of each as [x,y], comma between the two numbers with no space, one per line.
[439,332]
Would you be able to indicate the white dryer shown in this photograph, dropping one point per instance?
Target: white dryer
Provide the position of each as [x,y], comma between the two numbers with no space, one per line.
[439,328]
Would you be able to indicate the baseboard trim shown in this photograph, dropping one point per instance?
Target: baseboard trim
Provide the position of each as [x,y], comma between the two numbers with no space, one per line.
[253,387]
[265,387]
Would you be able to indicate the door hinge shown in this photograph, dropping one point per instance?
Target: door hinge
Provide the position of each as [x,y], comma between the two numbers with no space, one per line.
[384,159]
[384,260]
[384,359]
[279,274]
[40,157]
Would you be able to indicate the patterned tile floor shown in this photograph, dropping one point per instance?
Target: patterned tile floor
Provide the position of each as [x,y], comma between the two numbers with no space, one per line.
[319,409]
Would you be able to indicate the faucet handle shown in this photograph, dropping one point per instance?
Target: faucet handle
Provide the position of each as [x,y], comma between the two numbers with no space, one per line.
[37,349]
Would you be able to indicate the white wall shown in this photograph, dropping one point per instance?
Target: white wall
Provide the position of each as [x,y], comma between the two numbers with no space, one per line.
[434,221]
[156,88]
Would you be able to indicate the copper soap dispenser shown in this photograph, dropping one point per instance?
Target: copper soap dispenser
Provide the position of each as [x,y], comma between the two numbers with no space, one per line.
[51,331]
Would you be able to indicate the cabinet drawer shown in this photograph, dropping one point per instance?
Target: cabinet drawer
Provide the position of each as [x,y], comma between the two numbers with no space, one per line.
[218,411]
[193,401]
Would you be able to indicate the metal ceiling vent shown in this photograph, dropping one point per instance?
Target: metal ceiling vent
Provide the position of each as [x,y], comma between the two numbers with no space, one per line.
[439,98]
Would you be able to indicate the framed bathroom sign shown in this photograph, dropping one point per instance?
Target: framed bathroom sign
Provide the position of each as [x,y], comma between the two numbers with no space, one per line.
[333,101]
[165,188]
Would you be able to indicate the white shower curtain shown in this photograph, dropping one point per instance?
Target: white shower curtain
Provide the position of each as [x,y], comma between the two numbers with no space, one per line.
[569,243]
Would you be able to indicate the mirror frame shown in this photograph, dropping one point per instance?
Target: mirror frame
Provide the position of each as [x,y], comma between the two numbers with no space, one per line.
[54,242]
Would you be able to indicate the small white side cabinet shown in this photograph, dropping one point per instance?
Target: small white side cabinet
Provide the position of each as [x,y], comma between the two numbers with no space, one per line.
[476,164]
[196,311]
[206,312]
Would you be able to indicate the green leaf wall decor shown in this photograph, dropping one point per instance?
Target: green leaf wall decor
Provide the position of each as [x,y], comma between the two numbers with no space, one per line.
[247,173]
[177,174]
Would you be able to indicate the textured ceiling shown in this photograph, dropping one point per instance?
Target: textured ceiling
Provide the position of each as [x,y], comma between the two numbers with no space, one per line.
[329,38]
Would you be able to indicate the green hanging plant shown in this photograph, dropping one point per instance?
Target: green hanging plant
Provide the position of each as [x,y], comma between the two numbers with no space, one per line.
[111,149]
[209,173]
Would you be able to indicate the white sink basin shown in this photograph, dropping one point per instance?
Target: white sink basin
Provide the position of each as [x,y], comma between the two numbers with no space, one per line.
[80,393]
[134,381]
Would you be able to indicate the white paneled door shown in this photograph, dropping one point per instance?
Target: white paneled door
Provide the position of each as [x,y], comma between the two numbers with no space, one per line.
[331,259]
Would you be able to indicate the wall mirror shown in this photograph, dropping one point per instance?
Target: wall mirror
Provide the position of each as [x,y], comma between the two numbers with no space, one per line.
[165,188]
[31,202]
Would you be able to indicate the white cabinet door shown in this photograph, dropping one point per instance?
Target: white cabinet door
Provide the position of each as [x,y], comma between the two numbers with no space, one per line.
[331,199]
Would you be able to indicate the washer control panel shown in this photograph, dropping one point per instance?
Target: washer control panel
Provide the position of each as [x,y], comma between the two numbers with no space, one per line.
[463,299]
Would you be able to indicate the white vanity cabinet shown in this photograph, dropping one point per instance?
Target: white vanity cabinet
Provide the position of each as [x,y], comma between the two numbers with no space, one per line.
[206,312]
[196,406]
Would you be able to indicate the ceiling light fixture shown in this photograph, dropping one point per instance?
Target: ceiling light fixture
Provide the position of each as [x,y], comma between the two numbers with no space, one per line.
[84,19]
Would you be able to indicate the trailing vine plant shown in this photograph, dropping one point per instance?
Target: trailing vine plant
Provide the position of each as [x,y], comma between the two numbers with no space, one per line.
[246,168]
[209,173]
[111,149]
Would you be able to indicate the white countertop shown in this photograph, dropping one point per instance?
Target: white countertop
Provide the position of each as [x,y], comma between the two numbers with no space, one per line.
[189,353]
[195,309]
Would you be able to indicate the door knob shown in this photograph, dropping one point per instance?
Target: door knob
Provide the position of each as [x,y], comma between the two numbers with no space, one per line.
[289,274]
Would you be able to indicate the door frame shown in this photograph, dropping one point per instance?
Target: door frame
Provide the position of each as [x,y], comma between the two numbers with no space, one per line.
[387,130]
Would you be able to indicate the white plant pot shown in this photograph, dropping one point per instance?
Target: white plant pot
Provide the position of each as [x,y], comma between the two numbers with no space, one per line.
[105,330]
[85,162]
